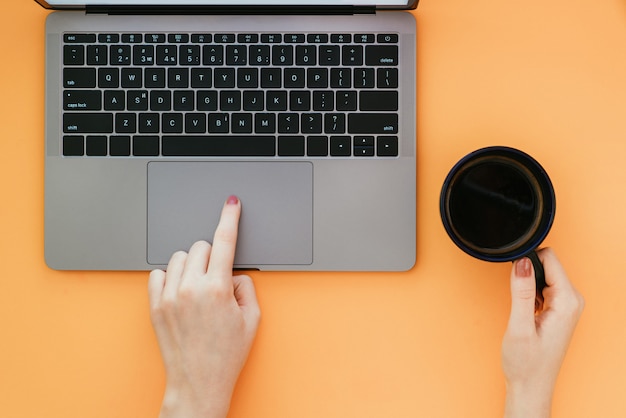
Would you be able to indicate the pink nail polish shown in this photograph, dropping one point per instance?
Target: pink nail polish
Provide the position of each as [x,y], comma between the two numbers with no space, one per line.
[232,200]
[523,267]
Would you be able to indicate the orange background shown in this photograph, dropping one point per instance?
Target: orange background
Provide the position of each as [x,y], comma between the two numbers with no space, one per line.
[545,76]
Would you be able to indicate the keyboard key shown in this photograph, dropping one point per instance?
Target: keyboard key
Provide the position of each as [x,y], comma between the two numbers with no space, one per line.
[377,55]
[119,146]
[387,38]
[80,78]
[372,123]
[363,146]
[73,54]
[282,55]
[317,146]
[132,38]
[387,146]
[378,100]
[145,146]
[79,122]
[73,146]
[340,146]
[291,146]
[219,146]
[82,100]
[97,55]
[172,123]
[96,146]
[126,123]
[79,38]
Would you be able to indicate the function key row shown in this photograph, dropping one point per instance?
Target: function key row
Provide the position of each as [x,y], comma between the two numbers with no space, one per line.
[183,38]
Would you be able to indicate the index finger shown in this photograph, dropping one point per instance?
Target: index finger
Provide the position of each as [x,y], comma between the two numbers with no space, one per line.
[225,240]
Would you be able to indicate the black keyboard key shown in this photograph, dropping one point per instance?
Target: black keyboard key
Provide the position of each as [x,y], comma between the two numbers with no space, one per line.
[340,146]
[387,146]
[248,38]
[271,78]
[145,146]
[114,100]
[126,123]
[155,38]
[96,146]
[373,123]
[282,55]
[265,123]
[346,100]
[219,123]
[120,55]
[364,78]
[329,55]
[149,123]
[311,123]
[189,55]
[79,122]
[119,146]
[363,146]
[236,55]
[224,78]
[291,146]
[178,38]
[143,55]
[132,38]
[377,55]
[132,78]
[109,78]
[82,100]
[195,123]
[81,78]
[73,146]
[79,38]
[224,38]
[387,78]
[219,146]
[201,38]
[387,38]
[352,55]
[97,55]
[378,100]
[341,38]
[294,38]
[317,146]
[73,54]
[108,38]
[213,55]
[365,38]
[334,123]
[172,123]
[167,55]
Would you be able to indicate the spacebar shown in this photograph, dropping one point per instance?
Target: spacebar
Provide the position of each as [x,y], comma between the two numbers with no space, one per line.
[219,146]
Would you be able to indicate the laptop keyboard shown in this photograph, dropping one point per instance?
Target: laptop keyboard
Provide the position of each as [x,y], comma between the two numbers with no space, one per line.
[219,95]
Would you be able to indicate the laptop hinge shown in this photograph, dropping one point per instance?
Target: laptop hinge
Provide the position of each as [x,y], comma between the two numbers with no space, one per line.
[230,10]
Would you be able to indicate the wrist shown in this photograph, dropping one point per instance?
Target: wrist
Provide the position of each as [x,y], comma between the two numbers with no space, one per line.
[188,403]
[523,401]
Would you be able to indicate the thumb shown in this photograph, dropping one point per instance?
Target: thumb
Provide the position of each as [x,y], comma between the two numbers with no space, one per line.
[245,295]
[523,295]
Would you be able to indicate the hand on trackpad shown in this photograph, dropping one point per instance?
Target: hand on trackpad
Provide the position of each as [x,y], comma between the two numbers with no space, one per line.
[185,200]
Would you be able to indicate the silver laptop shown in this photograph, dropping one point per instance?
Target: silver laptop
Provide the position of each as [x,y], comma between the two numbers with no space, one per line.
[157,111]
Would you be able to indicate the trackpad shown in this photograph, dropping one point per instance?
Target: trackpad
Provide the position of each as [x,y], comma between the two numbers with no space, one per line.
[185,200]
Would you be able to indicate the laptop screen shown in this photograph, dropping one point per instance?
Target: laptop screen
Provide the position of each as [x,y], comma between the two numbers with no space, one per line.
[380,3]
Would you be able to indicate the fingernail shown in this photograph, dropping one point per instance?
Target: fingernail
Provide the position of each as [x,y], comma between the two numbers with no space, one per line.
[232,200]
[523,267]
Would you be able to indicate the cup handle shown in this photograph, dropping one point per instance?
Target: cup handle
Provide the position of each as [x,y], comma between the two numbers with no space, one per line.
[540,277]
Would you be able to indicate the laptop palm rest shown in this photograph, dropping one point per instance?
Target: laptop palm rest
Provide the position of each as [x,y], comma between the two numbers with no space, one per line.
[185,200]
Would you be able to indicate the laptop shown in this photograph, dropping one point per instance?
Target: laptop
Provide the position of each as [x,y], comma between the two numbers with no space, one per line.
[157,111]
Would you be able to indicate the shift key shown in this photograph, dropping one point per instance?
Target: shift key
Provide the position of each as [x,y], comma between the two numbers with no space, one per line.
[88,123]
[373,123]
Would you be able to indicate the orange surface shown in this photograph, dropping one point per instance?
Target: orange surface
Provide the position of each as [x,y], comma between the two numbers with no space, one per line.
[548,77]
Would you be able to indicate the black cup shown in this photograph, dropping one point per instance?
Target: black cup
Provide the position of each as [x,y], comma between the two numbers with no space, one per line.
[498,204]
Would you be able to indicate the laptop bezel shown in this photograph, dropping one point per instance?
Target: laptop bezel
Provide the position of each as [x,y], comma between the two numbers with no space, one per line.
[411,4]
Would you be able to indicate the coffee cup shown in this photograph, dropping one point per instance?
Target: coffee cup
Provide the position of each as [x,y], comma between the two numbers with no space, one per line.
[498,204]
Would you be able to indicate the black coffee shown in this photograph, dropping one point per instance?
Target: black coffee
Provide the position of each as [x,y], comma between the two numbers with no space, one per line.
[493,207]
